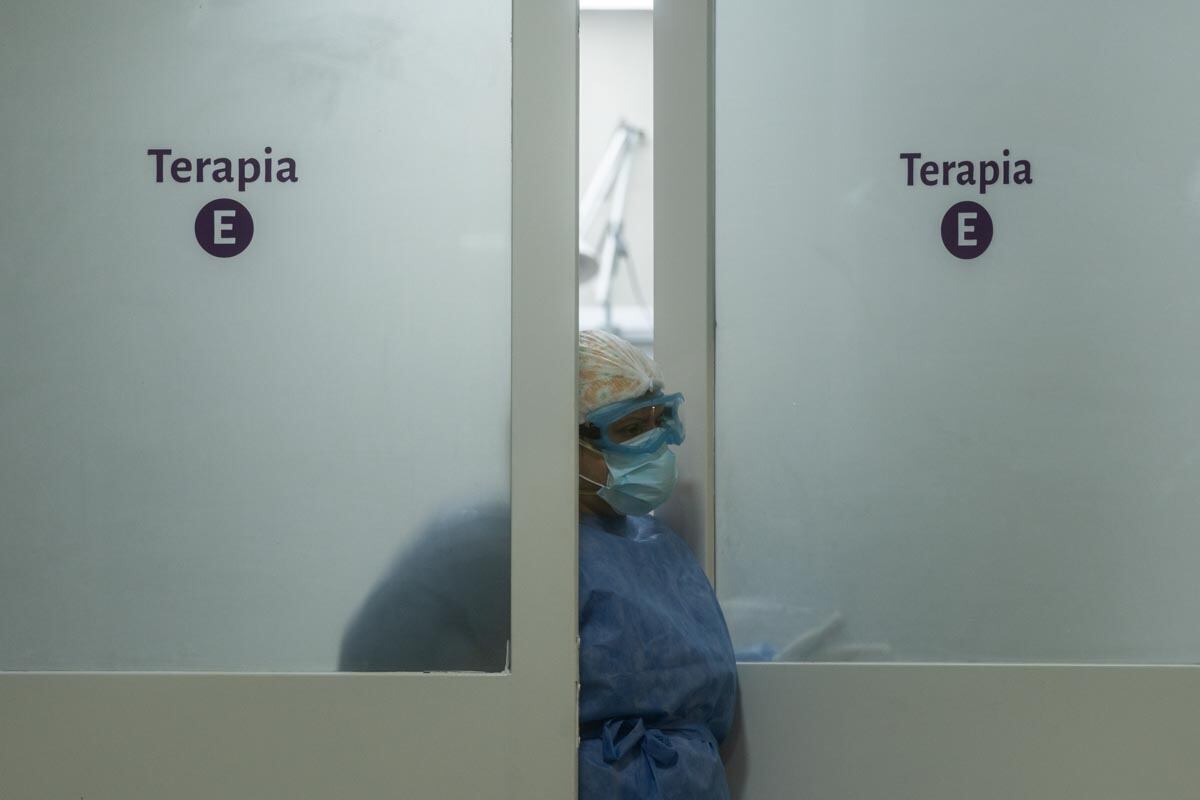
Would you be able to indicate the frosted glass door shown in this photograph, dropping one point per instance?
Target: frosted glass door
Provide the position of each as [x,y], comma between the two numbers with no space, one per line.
[221,426]
[958,307]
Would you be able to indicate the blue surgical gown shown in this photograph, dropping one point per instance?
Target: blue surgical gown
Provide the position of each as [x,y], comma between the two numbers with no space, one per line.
[657,672]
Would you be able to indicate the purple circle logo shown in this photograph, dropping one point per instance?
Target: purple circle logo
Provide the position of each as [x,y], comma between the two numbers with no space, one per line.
[967,229]
[224,228]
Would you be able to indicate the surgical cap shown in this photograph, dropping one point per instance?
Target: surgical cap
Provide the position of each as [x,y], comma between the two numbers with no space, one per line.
[610,370]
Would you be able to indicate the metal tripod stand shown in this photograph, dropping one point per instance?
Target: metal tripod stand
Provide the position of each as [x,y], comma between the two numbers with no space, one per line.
[610,183]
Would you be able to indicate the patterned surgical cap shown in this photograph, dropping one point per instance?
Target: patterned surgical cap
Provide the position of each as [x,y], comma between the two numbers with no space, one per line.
[610,370]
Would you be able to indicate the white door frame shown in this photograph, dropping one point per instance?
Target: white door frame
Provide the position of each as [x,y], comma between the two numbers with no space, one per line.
[511,735]
[851,731]
[684,340]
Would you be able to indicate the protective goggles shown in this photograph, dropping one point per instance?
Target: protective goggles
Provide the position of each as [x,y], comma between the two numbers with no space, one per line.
[638,426]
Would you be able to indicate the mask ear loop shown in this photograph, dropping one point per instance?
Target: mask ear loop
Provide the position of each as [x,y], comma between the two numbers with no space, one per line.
[592,482]
[588,446]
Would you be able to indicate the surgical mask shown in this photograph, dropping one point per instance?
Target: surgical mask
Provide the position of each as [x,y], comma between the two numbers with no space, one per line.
[637,483]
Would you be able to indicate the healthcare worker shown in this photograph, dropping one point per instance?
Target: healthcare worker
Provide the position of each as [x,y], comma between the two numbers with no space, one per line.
[656,666]
[657,672]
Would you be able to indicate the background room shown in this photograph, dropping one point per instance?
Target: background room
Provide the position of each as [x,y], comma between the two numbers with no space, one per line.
[616,168]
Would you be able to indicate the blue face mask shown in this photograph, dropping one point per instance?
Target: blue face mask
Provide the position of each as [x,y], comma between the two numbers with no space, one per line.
[637,483]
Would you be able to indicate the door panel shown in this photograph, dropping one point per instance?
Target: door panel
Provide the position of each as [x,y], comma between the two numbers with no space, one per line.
[941,732]
[958,453]
[209,459]
[962,458]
